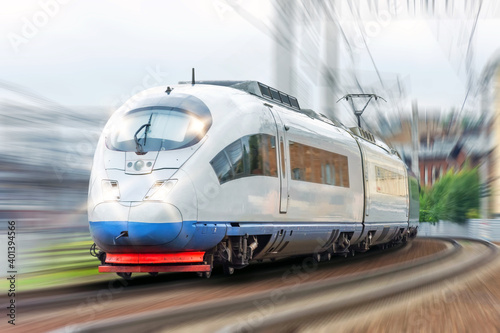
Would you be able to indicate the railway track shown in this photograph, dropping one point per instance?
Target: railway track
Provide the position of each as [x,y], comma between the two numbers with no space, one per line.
[46,309]
[406,281]
[69,296]
[300,302]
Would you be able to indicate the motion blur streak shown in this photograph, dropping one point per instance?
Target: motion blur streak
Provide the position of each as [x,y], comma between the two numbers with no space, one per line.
[435,62]
[46,154]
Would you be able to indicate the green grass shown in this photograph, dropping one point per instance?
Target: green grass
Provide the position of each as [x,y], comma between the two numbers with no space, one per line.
[34,281]
[59,264]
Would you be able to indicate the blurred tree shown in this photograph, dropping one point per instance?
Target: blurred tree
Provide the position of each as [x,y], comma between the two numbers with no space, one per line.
[454,197]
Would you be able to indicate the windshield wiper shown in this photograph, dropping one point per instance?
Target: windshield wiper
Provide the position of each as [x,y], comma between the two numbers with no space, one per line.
[138,146]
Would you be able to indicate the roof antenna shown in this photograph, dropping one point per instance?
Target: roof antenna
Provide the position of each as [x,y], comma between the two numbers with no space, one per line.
[192,79]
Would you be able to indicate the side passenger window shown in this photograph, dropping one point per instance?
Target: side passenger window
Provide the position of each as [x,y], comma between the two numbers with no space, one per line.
[235,154]
[252,155]
[222,168]
[255,157]
[314,165]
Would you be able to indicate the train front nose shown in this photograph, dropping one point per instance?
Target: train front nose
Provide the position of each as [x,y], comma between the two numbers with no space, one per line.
[153,223]
[122,226]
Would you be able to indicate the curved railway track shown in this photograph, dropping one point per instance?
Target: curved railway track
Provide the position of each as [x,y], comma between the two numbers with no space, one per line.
[145,284]
[268,296]
[294,319]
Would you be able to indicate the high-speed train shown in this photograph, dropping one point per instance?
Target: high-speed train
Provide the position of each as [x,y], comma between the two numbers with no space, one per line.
[190,176]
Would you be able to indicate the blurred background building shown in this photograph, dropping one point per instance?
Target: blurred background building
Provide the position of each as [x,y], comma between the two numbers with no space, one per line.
[310,65]
[315,50]
[47,152]
[493,167]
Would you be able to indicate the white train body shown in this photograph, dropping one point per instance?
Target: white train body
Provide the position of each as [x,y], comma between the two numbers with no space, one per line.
[239,176]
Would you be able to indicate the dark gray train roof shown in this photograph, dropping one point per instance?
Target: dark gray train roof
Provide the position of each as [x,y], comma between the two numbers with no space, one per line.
[258,89]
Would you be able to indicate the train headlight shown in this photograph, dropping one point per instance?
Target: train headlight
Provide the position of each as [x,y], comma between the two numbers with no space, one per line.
[160,189]
[110,190]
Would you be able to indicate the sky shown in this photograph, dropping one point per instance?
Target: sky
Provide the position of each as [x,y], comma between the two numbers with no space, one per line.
[93,52]
[99,53]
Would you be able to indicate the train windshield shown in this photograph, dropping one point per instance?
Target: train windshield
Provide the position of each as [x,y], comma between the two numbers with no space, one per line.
[155,130]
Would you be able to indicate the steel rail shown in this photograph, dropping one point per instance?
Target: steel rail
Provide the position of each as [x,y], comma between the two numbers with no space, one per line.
[174,316]
[60,297]
[299,317]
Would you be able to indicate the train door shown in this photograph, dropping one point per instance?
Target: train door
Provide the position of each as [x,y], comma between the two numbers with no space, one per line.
[282,145]
[366,183]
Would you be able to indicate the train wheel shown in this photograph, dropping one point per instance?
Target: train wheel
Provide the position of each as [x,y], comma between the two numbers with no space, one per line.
[126,276]
[317,257]
[206,275]
[228,270]
[326,256]
[153,273]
